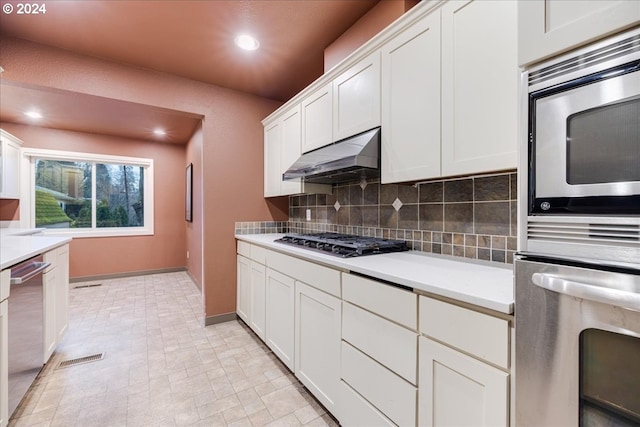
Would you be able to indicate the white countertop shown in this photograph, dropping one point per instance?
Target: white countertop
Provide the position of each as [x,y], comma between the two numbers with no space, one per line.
[15,249]
[484,284]
[19,231]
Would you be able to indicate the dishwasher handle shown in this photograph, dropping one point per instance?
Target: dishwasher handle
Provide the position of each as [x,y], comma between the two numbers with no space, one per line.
[617,297]
[28,272]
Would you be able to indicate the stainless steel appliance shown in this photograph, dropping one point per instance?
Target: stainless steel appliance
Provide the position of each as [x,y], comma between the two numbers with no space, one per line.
[26,344]
[583,153]
[344,245]
[577,345]
[348,160]
[577,288]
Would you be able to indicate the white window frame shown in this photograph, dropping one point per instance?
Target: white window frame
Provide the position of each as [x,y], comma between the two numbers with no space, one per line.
[27,199]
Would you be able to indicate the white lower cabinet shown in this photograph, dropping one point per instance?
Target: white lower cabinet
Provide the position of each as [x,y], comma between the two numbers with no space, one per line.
[243,288]
[49,333]
[389,393]
[4,369]
[458,390]
[258,321]
[280,300]
[317,344]
[56,299]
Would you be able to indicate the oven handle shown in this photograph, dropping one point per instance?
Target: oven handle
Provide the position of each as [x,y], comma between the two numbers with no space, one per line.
[624,299]
[32,270]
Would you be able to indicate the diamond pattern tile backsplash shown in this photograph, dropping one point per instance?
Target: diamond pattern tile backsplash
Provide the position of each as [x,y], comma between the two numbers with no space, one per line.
[473,217]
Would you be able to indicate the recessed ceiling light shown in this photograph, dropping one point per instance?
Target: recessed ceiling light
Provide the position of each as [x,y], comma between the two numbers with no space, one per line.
[159,132]
[247,42]
[33,114]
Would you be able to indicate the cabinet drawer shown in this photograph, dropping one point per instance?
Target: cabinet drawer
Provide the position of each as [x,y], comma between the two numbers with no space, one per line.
[5,284]
[385,300]
[388,343]
[389,393]
[320,277]
[244,249]
[258,254]
[356,411]
[481,335]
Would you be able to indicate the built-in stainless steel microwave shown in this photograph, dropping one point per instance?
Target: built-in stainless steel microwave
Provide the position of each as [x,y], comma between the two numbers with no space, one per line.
[583,152]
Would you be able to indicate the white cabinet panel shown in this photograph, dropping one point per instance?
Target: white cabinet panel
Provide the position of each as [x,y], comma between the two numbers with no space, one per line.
[388,343]
[479,86]
[280,299]
[458,390]
[291,148]
[385,300]
[549,27]
[324,278]
[9,166]
[356,98]
[317,119]
[356,411]
[49,333]
[411,103]
[4,368]
[257,319]
[243,296]
[481,335]
[317,344]
[62,292]
[272,168]
[244,248]
[388,392]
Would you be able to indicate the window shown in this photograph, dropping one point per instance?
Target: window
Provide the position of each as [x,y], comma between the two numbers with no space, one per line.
[89,195]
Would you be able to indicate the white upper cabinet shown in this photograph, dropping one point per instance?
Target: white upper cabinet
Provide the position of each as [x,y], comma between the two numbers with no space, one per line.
[356,98]
[479,86]
[282,147]
[549,27]
[411,103]
[317,119]
[9,166]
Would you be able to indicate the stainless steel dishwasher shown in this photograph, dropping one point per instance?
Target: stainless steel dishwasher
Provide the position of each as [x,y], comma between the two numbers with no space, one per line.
[26,345]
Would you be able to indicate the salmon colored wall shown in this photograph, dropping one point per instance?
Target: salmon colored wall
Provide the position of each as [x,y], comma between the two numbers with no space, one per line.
[194,228]
[98,256]
[381,15]
[232,145]
[9,210]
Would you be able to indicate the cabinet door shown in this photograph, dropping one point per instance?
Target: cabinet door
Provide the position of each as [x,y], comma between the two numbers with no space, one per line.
[479,86]
[243,275]
[317,119]
[4,368]
[290,150]
[49,333]
[317,344]
[411,103]
[279,315]
[257,320]
[272,147]
[458,390]
[9,169]
[356,98]
[62,292]
[549,27]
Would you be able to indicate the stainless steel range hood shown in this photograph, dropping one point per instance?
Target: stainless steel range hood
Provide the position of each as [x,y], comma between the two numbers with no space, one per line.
[350,159]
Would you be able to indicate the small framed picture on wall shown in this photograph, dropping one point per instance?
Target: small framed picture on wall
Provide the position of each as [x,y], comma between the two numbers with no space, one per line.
[189,194]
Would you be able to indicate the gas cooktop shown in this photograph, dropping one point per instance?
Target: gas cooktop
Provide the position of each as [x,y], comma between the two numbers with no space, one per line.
[344,245]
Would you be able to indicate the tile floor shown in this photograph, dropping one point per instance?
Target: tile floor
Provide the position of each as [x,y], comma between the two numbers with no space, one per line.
[161,366]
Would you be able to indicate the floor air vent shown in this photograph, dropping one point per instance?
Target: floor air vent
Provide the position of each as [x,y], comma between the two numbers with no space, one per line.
[90,285]
[80,360]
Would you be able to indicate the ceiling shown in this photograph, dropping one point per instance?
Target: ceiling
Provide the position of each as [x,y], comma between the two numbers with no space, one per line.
[188,38]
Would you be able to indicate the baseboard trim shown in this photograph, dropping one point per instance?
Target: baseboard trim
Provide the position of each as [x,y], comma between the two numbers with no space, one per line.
[219,318]
[193,279]
[128,274]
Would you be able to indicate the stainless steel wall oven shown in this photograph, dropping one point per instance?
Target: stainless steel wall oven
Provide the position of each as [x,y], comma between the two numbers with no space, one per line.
[577,275]
[583,153]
